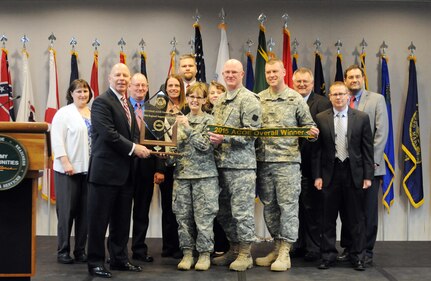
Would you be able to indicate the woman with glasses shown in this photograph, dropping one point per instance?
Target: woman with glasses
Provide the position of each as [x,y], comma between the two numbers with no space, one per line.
[196,190]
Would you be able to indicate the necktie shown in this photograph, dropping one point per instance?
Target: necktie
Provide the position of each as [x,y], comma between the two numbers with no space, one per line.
[352,102]
[340,138]
[139,114]
[126,109]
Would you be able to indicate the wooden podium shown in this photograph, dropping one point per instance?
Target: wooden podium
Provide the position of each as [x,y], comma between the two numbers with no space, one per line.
[18,204]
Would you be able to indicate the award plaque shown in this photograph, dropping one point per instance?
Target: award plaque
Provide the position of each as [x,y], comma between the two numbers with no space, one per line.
[159,127]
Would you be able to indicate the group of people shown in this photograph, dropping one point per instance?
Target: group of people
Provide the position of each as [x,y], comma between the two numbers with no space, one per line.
[208,187]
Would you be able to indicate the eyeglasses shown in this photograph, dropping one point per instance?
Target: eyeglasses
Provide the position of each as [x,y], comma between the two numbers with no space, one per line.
[139,85]
[195,98]
[335,95]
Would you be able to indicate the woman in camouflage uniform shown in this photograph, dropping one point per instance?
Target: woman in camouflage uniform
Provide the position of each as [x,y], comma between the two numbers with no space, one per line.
[196,190]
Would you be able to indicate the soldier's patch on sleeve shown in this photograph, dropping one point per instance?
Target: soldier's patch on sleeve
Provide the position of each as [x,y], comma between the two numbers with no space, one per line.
[255,117]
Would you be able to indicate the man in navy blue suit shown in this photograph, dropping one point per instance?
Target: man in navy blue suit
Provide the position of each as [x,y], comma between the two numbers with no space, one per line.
[115,136]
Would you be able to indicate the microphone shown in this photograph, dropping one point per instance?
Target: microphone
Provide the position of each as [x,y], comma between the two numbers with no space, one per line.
[10,100]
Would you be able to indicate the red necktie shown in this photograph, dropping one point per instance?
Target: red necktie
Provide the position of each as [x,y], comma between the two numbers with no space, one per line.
[139,114]
[352,102]
[126,109]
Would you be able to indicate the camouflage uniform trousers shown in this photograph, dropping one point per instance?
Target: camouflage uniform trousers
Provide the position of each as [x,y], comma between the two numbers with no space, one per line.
[236,201]
[195,204]
[278,187]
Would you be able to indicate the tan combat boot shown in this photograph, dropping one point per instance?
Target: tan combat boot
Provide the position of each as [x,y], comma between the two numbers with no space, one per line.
[244,260]
[228,257]
[282,263]
[203,262]
[187,262]
[271,257]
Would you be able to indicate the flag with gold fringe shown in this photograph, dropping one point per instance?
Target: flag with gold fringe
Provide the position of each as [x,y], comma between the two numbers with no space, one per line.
[287,59]
[339,69]
[411,145]
[7,112]
[94,79]
[26,110]
[172,68]
[319,80]
[364,67]
[74,73]
[261,58]
[389,154]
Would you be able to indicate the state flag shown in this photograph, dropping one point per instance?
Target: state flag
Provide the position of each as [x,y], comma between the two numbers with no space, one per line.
[223,54]
[411,144]
[26,110]
[7,112]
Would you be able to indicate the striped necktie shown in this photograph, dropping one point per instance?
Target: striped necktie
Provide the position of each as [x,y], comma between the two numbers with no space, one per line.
[126,109]
[138,113]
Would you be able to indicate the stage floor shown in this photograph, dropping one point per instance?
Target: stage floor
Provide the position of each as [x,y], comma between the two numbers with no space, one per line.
[408,261]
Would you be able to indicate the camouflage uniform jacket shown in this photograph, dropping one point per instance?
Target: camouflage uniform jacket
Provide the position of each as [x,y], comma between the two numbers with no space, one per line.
[240,109]
[197,153]
[280,110]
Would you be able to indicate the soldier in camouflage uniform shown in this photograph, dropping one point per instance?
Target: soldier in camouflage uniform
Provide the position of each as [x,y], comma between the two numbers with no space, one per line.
[196,190]
[236,162]
[278,166]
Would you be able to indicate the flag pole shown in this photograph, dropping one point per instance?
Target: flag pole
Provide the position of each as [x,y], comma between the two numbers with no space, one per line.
[383,48]
[48,171]
[412,49]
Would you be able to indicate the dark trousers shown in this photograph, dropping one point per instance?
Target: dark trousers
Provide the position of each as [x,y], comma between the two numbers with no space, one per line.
[111,205]
[341,193]
[221,244]
[169,223]
[371,219]
[310,217]
[143,193]
[71,206]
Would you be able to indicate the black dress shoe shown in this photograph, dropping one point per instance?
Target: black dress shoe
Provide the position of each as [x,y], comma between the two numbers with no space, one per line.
[99,271]
[64,258]
[82,258]
[359,266]
[345,256]
[177,254]
[145,258]
[325,264]
[368,260]
[125,267]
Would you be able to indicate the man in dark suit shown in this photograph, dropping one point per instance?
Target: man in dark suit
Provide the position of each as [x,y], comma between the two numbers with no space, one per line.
[114,143]
[148,171]
[375,106]
[310,202]
[343,169]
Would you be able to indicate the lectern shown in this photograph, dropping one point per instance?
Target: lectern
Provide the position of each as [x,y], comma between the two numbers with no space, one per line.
[18,204]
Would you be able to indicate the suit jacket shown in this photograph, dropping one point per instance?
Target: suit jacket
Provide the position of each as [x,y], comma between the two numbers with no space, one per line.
[360,147]
[112,141]
[317,104]
[374,104]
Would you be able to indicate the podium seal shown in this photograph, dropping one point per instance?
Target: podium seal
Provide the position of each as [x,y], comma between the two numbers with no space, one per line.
[13,162]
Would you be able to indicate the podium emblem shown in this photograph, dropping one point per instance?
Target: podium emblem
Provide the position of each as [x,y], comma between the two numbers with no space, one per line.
[13,162]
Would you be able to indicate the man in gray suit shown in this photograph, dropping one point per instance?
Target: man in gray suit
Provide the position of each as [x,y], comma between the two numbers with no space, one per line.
[373,104]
